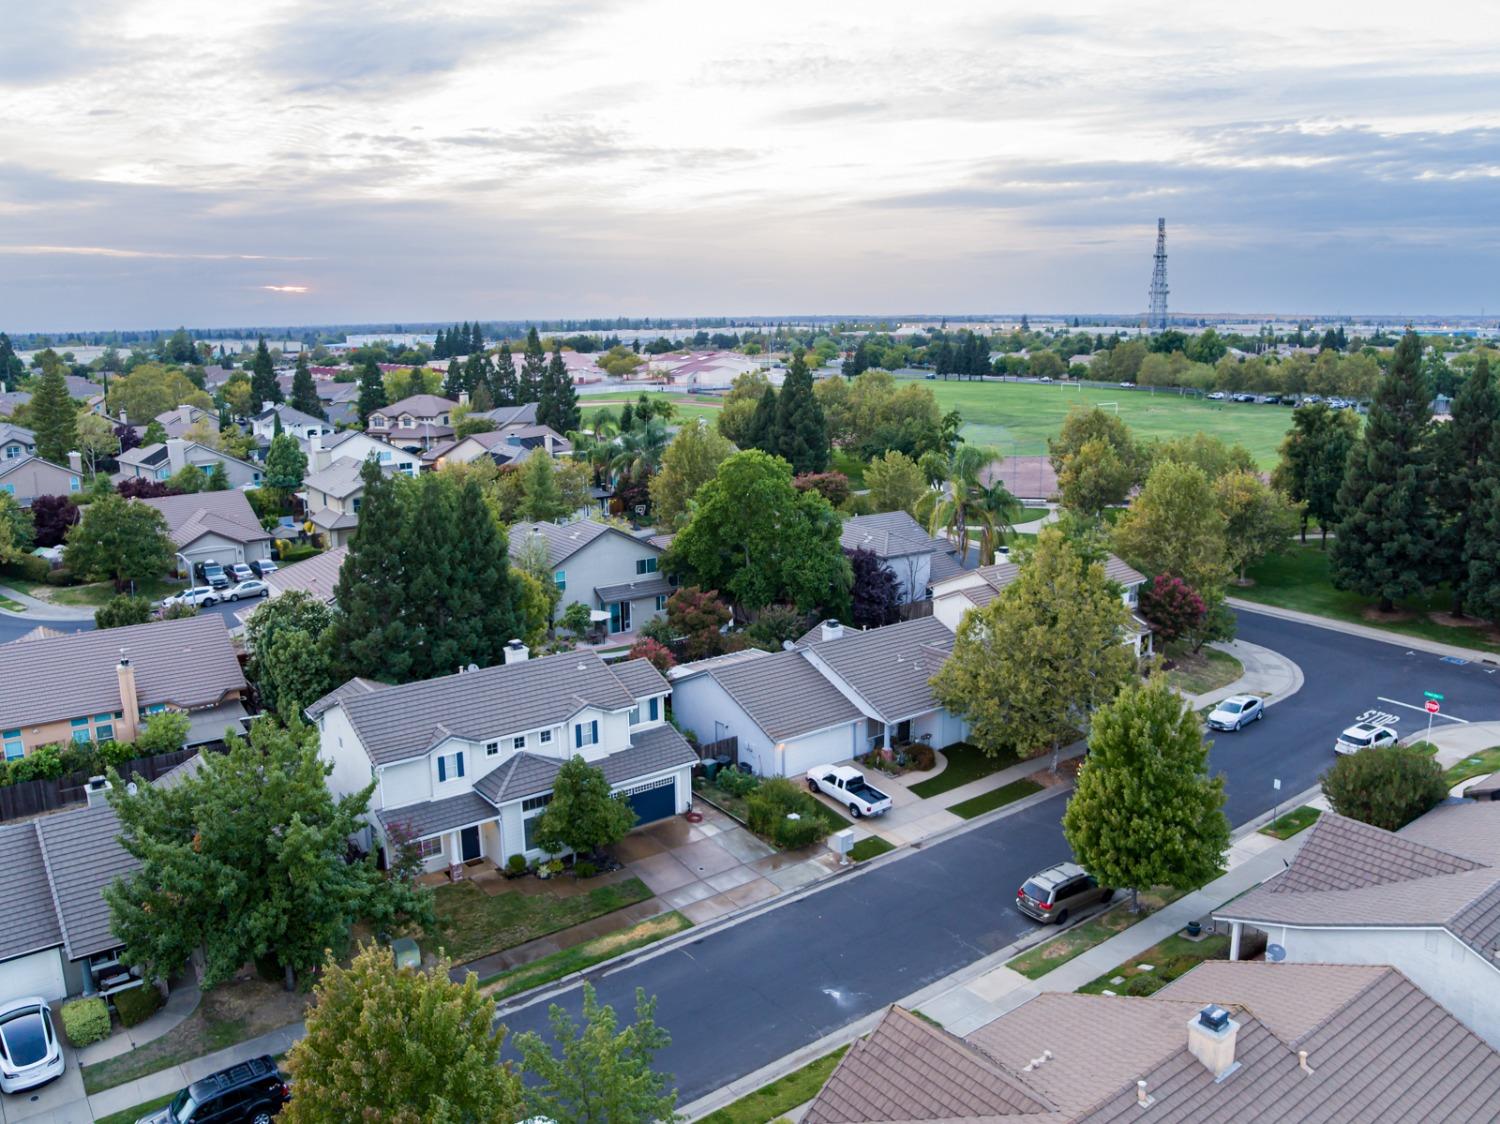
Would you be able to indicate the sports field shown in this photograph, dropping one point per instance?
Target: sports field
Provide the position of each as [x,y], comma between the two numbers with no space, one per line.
[688,405]
[1017,418]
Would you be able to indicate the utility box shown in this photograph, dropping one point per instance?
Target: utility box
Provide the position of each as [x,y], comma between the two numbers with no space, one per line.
[841,843]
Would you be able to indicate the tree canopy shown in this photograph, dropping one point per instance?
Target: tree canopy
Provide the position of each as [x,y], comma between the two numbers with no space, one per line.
[1386,786]
[121,540]
[1174,526]
[1313,455]
[688,463]
[584,815]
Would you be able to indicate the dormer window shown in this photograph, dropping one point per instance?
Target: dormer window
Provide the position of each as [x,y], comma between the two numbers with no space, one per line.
[450,766]
[545,737]
[518,742]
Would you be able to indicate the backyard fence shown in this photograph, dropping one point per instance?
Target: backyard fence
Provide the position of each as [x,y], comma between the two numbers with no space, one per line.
[725,747]
[30,798]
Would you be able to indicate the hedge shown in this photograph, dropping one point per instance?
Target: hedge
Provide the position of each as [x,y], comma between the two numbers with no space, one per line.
[86,1021]
[137,1004]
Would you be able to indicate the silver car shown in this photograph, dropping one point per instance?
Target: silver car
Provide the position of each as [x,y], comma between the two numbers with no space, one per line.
[30,1053]
[247,589]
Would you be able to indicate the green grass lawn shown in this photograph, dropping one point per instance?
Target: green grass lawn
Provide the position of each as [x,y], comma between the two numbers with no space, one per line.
[131,1115]
[1298,819]
[965,763]
[869,847]
[687,405]
[1481,764]
[1036,962]
[472,923]
[1171,958]
[995,798]
[586,955]
[768,1103]
[97,593]
[1208,670]
[1019,417]
[850,465]
[1299,580]
[12,606]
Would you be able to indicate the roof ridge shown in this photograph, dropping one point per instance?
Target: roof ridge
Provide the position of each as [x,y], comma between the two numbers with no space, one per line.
[62,922]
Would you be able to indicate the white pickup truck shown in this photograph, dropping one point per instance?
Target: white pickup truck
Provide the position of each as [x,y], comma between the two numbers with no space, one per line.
[848,787]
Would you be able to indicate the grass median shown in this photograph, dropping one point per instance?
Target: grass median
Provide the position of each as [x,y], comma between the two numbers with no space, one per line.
[1036,962]
[586,955]
[1159,965]
[780,1096]
[1298,819]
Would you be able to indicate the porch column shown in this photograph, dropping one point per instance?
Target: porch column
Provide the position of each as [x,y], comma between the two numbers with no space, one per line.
[454,849]
[887,736]
[1235,928]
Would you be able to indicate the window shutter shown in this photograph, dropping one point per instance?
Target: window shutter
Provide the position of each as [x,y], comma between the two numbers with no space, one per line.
[460,764]
[442,769]
[594,730]
[578,736]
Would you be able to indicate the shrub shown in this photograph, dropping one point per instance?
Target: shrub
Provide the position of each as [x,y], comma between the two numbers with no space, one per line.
[115,754]
[30,567]
[769,805]
[584,869]
[137,1004]
[122,610]
[921,755]
[177,610]
[736,783]
[42,763]
[86,1021]
[60,576]
[1386,787]
[515,866]
[164,732]
[1143,984]
[799,833]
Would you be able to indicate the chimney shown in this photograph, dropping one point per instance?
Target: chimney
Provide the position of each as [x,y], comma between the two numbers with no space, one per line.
[97,789]
[1143,1098]
[516,652]
[186,414]
[1211,1035]
[130,706]
[175,455]
[267,404]
[463,397]
[75,461]
[832,629]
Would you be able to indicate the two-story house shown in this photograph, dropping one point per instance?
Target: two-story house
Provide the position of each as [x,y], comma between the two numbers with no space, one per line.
[463,765]
[162,460]
[217,526]
[301,426]
[351,444]
[509,445]
[333,496]
[915,557]
[600,566]
[417,422]
[16,442]
[25,478]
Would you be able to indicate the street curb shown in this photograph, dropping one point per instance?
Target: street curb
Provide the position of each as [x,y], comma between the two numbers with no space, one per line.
[1366,632]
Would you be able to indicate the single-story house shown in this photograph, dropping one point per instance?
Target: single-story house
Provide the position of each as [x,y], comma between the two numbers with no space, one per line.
[162,460]
[178,420]
[29,477]
[464,764]
[602,567]
[101,685]
[221,526]
[916,558]
[415,423]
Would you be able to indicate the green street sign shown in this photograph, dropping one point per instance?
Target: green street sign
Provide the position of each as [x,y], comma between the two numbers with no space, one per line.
[1433,695]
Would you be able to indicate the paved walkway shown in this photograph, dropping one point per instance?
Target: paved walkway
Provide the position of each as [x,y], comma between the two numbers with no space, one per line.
[1265,673]
[181,1002]
[1367,632]
[39,610]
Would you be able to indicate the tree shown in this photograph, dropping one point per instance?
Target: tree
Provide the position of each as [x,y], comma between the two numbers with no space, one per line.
[688,463]
[304,391]
[695,620]
[1028,669]
[246,859]
[1084,424]
[875,596]
[217,479]
[371,391]
[1174,526]
[96,440]
[966,501]
[558,406]
[119,611]
[533,368]
[150,389]
[1145,812]
[604,1073]
[52,517]
[1172,607]
[1258,520]
[740,404]
[286,465]
[263,384]
[584,816]
[654,652]
[1385,786]
[801,430]
[1313,456]
[400,1046]
[755,537]
[760,429]
[1385,538]
[505,388]
[1462,452]
[639,451]
[16,534]
[238,396]
[290,660]
[54,418]
[542,501]
[1095,478]
[120,540]
[164,732]
[370,635]
[1213,455]
[895,483]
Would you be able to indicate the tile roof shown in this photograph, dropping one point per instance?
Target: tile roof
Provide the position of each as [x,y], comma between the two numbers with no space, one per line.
[563,540]
[29,920]
[785,695]
[661,542]
[1000,574]
[434,816]
[889,667]
[318,575]
[655,586]
[942,567]
[1344,854]
[527,774]
[11,432]
[889,534]
[401,722]
[419,405]
[512,415]
[342,478]
[1290,1004]
[189,663]
[84,855]
[640,678]
[290,415]
[192,516]
[352,689]
[326,519]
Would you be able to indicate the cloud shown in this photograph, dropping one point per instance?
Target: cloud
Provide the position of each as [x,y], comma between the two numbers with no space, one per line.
[286,288]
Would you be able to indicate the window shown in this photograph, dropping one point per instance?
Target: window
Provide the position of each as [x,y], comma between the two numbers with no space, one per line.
[154,708]
[492,749]
[104,729]
[661,602]
[358,500]
[531,809]
[80,729]
[430,848]
[450,765]
[635,716]
[561,578]
[73,484]
[377,421]
[518,742]
[13,746]
[546,737]
[536,803]
[586,733]
[645,565]
[385,458]
[654,709]
[8,489]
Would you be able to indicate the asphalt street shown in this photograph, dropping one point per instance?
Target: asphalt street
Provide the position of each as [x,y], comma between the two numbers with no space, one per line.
[13,627]
[746,995]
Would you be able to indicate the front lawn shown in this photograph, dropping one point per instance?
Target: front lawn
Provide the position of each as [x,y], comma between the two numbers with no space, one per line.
[1203,671]
[1298,819]
[850,465]
[736,806]
[965,763]
[1171,958]
[131,1115]
[472,923]
[780,1096]
[869,847]
[97,593]
[995,798]
[586,955]
[1480,764]
[1036,962]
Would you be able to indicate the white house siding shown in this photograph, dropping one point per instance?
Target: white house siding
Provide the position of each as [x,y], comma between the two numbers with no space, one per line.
[341,748]
[699,701]
[1441,965]
[36,973]
[411,782]
[609,560]
[912,574]
[944,728]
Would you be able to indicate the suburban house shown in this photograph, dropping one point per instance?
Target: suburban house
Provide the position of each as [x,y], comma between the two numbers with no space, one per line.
[333,496]
[299,425]
[177,421]
[221,526]
[100,686]
[163,459]
[415,423]
[601,566]
[838,694]
[316,576]
[464,764]
[915,557]
[11,401]
[29,477]
[503,446]
[351,444]
[955,596]
[1291,1043]
[16,442]
[1425,900]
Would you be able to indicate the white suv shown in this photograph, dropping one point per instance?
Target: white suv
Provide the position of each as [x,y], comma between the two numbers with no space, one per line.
[1364,735]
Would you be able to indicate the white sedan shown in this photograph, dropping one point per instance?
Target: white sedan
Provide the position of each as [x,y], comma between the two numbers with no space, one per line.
[30,1053]
[247,589]
[1236,711]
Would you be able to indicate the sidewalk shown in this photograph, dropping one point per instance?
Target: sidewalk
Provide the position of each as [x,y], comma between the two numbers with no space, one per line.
[39,610]
[1366,632]
[1265,672]
[181,1002]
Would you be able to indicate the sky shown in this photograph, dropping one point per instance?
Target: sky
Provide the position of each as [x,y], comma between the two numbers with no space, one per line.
[301,162]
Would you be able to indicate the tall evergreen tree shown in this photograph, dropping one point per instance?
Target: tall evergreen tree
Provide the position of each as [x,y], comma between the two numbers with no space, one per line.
[566,416]
[761,432]
[371,390]
[505,389]
[371,636]
[476,372]
[54,418]
[1462,453]
[440,345]
[1481,580]
[533,368]
[263,382]
[1313,458]
[801,429]
[11,367]
[304,390]
[453,381]
[1384,543]
[476,339]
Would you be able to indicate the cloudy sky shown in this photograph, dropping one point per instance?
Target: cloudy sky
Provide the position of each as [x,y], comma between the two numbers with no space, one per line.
[296,161]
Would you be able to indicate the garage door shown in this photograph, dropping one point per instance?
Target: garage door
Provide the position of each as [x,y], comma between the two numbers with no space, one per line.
[40,973]
[654,801]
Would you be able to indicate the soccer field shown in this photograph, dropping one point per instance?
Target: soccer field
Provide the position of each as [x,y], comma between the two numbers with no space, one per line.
[687,405]
[1017,418]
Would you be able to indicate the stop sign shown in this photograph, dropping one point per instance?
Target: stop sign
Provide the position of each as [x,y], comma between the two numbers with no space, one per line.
[1432,706]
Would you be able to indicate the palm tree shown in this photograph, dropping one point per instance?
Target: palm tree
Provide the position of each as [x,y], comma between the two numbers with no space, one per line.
[638,451]
[959,501]
[593,450]
[996,510]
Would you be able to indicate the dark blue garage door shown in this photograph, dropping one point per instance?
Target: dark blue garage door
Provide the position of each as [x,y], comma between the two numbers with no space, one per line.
[654,802]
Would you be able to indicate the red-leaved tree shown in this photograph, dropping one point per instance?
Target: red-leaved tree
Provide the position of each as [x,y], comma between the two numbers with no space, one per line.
[53,515]
[654,652]
[696,619]
[832,486]
[1173,607]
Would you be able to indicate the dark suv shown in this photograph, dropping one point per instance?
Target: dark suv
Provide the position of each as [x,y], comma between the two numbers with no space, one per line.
[249,1093]
[1051,896]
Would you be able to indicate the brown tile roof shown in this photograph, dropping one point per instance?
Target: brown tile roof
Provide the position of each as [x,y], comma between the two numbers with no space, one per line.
[1344,854]
[317,575]
[192,516]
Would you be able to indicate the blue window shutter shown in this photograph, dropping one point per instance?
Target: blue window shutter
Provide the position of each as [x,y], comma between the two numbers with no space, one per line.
[578,736]
[655,709]
[594,730]
[460,764]
[442,769]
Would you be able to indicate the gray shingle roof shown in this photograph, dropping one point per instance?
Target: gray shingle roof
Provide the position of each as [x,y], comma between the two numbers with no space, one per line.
[317,576]
[942,567]
[29,920]
[640,678]
[9,431]
[419,405]
[1001,574]
[526,774]
[1344,854]
[562,540]
[400,722]
[434,816]
[192,516]
[785,695]
[351,689]
[83,855]
[889,534]
[290,415]
[342,478]
[890,667]
[655,586]
[189,663]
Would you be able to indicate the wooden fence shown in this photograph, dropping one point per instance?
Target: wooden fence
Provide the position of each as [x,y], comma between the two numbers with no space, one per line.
[725,747]
[30,798]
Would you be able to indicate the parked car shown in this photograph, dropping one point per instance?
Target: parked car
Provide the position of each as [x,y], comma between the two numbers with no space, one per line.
[1045,378]
[30,1053]
[1236,711]
[198,595]
[1272,400]
[249,1093]
[1128,385]
[211,573]
[263,567]
[1055,894]
[1217,396]
[1364,735]
[241,572]
[246,590]
[848,787]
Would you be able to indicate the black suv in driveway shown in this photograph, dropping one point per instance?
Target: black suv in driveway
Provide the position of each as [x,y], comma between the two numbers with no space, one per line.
[249,1093]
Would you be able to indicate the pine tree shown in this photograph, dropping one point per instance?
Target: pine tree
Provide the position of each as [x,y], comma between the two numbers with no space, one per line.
[1482,539]
[476,339]
[1145,811]
[533,367]
[370,634]
[489,613]
[263,384]
[371,390]
[761,432]
[440,345]
[566,416]
[801,429]
[546,396]
[54,418]
[304,391]
[453,382]
[1462,450]
[1385,540]
[505,389]
[476,371]
[434,560]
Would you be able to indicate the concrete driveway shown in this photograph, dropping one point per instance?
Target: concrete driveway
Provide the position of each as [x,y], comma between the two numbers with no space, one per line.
[58,1102]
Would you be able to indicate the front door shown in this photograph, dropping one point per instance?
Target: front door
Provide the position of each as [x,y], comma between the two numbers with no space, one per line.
[619,616]
[469,842]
